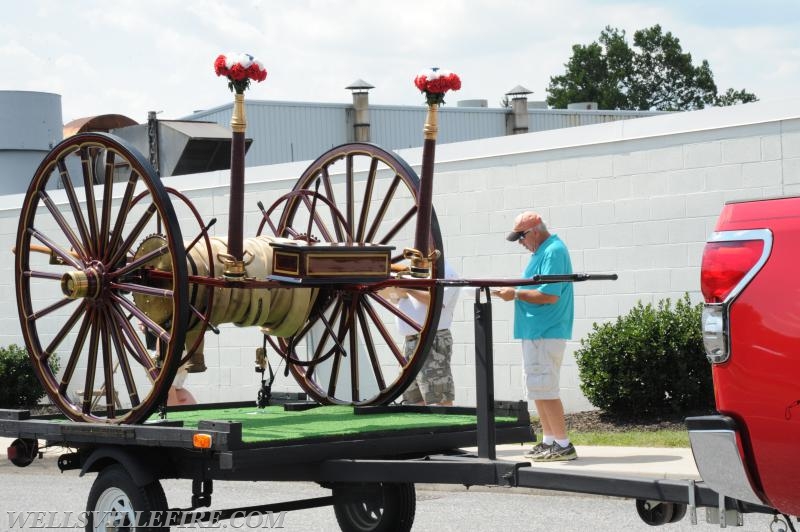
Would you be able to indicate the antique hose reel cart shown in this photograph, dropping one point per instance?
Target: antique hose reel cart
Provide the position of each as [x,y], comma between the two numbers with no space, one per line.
[108,259]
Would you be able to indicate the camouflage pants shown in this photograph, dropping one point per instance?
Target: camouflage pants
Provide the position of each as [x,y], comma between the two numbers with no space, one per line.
[434,382]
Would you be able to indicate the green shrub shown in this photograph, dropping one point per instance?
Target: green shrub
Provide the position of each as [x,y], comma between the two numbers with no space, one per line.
[20,387]
[648,363]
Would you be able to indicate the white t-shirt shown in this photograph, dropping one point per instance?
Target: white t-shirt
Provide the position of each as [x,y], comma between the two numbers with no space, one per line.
[416,310]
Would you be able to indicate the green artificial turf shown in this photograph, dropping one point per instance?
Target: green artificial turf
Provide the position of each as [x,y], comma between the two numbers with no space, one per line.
[274,424]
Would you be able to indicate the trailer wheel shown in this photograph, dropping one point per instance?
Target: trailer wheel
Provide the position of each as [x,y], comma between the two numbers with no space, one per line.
[23,451]
[115,502]
[380,507]
[678,513]
[656,513]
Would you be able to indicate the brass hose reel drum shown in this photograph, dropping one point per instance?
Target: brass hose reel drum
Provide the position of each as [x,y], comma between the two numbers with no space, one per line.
[280,311]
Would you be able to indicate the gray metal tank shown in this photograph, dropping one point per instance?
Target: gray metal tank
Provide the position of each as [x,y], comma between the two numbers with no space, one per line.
[30,125]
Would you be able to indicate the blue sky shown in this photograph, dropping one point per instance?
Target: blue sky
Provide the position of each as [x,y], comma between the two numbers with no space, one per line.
[133,56]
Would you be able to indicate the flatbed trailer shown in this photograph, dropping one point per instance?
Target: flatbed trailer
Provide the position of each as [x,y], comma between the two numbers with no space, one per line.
[371,474]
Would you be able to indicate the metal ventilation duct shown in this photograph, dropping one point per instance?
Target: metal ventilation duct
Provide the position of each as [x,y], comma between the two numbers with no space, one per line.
[184,147]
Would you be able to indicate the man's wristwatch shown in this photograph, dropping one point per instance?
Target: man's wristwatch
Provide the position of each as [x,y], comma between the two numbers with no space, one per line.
[516,293]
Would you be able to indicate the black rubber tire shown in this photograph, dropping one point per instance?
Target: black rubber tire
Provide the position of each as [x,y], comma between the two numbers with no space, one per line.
[679,512]
[114,481]
[381,507]
[655,515]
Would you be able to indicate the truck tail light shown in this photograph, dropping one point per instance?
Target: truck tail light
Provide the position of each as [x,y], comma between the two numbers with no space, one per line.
[725,264]
[730,261]
[715,341]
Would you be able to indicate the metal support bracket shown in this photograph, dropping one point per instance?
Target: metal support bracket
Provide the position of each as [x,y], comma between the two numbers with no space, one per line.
[484,376]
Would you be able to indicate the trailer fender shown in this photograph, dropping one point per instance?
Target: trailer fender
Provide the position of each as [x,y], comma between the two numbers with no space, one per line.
[143,472]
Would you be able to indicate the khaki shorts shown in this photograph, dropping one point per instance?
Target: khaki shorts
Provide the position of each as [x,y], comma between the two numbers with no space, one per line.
[541,367]
[434,382]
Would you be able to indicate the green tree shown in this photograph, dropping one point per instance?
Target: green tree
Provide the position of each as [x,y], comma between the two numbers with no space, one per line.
[656,74]
[733,97]
[595,73]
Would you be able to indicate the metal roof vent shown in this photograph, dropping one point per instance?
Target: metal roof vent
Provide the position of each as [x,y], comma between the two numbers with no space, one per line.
[359,85]
[184,146]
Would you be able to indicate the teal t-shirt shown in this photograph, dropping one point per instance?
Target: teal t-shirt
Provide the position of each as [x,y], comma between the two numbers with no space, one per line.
[532,320]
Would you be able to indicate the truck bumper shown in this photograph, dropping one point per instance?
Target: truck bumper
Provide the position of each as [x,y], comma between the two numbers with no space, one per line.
[715,447]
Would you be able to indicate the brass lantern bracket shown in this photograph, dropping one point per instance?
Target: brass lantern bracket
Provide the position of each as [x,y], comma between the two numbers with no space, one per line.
[420,264]
[234,269]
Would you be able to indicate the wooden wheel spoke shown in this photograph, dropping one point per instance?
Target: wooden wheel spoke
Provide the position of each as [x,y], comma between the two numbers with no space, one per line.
[124,365]
[65,329]
[317,356]
[122,215]
[133,342]
[77,347]
[370,345]
[349,187]
[34,274]
[383,208]
[142,289]
[370,185]
[91,365]
[134,234]
[326,182]
[323,229]
[353,333]
[310,322]
[149,324]
[61,253]
[89,180]
[337,356]
[376,320]
[50,308]
[203,317]
[108,201]
[108,368]
[63,225]
[74,204]
[138,263]
[399,225]
[397,312]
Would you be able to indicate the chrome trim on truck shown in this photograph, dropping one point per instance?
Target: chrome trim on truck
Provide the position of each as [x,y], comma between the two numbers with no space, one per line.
[716,455]
[764,235]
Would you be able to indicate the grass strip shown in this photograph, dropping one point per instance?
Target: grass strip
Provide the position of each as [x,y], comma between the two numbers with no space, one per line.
[635,438]
[274,424]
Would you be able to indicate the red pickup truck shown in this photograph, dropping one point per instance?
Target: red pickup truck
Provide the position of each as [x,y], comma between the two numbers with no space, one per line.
[751,328]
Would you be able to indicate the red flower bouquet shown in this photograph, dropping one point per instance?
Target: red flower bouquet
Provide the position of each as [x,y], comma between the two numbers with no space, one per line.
[434,82]
[239,69]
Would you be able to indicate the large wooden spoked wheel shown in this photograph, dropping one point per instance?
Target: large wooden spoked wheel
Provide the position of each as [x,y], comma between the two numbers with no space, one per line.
[351,350]
[100,272]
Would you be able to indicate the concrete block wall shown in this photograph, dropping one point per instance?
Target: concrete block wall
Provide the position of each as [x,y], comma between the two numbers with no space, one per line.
[636,197]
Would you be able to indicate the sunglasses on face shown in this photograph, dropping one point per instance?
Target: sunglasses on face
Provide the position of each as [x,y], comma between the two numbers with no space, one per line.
[523,234]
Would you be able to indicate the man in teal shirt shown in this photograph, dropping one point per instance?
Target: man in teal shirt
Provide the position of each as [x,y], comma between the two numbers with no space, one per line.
[543,317]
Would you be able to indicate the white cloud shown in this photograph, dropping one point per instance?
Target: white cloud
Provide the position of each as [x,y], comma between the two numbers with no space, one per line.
[132,56]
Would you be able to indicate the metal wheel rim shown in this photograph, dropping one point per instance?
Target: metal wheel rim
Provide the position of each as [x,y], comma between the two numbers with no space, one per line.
[114,505]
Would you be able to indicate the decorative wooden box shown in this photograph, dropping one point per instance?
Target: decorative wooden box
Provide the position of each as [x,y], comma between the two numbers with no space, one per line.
[318,264]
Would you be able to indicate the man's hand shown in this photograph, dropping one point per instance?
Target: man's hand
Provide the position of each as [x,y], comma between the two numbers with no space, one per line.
[506,293]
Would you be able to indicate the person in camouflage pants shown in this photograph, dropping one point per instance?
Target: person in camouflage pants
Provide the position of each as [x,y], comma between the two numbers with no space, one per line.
[434,382]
